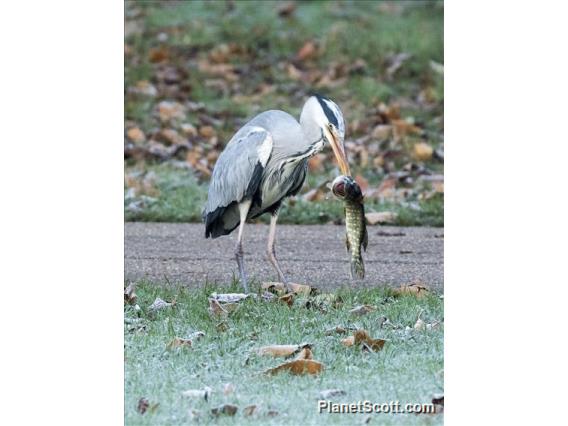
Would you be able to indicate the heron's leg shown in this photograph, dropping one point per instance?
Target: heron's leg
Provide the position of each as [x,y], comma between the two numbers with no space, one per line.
[239,253]
[272,250]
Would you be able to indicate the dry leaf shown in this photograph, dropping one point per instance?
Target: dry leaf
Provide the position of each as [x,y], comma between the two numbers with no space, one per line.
[361,337]
[230,297]
[159,304]
[423,151]
[298,367]
[216,310]
[287,298]
[136,135]
[285,10]
[305,353]
[198,393]
[249,410]
[272,413]
[227,409]
[382,132]
[308,51]
[362,310]
[143,405]
[207,131]
[228,388]
[331,393]
[420,324]
[170,110]
[416,289]
[278,350]
[129,294]
[179,342]
[336,330]
[280,288]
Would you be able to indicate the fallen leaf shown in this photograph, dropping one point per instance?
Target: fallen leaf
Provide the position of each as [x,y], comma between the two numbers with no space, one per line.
[382,132]
[249,410]
[348,341]
[307,51]
[420,324]
[228,388]
[143,405]
[207,131]
[416,289]
[135,135]
[272,413]
[423,151]
[216,310]
[129,294]
[178,342]
[159,304]
[280,288]
[298,367]
[362,310]
[278,350]
[374,218]
[230,297]
[168,111]
[158,54]
[226,409]
[305,353]
[285,10]
[287,298]
[361,337]
[198,393]
[331,393]
[336,330]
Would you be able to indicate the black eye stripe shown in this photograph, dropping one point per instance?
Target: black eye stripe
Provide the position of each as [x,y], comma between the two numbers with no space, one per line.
[327,111]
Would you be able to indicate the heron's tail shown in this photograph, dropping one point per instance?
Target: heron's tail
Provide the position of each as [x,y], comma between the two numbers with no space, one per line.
[357,267]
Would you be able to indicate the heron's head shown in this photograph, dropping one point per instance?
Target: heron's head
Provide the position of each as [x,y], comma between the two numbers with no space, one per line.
[323,117]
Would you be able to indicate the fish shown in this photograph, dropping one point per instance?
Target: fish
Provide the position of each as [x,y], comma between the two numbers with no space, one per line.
[346,189]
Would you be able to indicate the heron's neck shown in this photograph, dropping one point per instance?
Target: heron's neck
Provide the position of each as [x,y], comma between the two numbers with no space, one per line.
[311,130]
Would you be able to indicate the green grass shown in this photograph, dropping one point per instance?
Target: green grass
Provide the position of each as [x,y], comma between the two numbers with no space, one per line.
[408,369]
[181,198]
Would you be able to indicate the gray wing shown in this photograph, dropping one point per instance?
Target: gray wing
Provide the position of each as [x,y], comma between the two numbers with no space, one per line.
[238,170]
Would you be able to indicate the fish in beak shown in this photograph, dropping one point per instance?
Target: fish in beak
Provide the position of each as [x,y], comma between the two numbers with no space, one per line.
[339,150]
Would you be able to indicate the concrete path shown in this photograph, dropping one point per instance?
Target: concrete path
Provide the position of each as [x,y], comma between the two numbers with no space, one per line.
[314,255]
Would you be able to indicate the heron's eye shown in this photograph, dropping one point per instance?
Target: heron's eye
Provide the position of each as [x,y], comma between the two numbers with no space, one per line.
[330,126]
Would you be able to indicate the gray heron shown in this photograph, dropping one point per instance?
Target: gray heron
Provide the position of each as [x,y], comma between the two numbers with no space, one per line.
[265,162]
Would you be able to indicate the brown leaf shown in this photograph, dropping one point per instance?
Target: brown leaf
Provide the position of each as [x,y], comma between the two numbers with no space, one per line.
[178,342]
[135,135]
[307,51]
[143,405]
[382,132]
[129,294]
[362,310]
[305,353]
[423,151]
[361,337]
[298,367]
[168,110]
[226,409]
[416,289]
[188,130]
[280,288]
[272,413]
[249,410]
[207,131]
[288,299]
[373,345]
[278,350]
[158,54]
[380,217]
[285,10]
[348,341]
[216,310]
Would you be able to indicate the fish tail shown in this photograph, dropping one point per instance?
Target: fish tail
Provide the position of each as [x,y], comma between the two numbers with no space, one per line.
[357,267]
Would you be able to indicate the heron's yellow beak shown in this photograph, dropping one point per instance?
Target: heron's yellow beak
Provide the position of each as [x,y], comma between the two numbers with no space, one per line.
[339,151]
